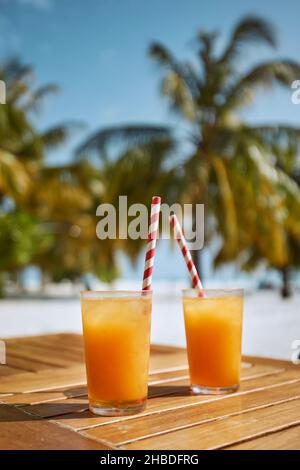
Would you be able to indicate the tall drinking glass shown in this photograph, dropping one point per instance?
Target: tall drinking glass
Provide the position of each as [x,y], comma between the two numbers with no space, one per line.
[116,331]
[213,326]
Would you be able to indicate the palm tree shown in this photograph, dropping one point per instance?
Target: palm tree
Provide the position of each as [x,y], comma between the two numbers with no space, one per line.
[63,199]
[22,147]
[236,169]
[137,171]
[40,195]
[275,235]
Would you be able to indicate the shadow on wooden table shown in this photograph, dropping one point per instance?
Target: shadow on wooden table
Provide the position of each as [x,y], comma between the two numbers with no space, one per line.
[71,406]
[167,390]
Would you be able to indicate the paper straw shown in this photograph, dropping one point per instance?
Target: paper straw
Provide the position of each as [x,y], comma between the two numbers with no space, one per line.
[151,243]
[186,254]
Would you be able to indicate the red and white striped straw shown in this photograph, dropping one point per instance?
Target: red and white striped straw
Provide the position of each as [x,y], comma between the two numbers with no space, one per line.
[151,243]
[186,254]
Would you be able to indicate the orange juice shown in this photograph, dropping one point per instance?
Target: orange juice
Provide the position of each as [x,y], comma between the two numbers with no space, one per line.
[116,330]
[213,327]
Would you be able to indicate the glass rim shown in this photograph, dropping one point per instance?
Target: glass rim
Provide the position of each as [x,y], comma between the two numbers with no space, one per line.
[115,294]
[213,293]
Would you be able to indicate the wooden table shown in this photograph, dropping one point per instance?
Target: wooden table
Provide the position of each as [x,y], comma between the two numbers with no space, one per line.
[44,404]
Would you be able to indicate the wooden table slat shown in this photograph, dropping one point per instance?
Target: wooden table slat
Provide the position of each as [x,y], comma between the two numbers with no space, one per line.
[162,423]
[176,378]
[19,431]
[222,433]
[288,439]
[44,380]
[157,404]
[43,397]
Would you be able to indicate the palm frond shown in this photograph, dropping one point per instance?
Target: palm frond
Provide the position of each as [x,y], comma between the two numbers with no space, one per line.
[181,101]
[31,149]
[128,135]
[18,78]
[34,98]
[282,141]
[275,177]
[207,45]
[264,74]
[252,30]
[58,134]
[14,179]
[161,54]
[184,71]
[276,131]
[146,162]
[227,205]
[14,70]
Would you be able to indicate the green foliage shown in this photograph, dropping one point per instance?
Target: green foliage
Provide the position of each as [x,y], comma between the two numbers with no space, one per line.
[51,225]
[22,237]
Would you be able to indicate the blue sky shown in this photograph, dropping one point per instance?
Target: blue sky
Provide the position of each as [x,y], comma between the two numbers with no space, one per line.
[96,50]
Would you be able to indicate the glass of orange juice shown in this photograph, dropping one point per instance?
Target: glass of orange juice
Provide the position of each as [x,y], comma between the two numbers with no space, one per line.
[116,332]
[213,326]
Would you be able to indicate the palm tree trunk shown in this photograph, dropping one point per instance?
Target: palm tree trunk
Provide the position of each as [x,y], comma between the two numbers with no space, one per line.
[286,286]
[44,282]
[19,282]
[1,285]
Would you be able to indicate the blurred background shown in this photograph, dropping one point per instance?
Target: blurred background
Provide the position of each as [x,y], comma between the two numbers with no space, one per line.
[188,100]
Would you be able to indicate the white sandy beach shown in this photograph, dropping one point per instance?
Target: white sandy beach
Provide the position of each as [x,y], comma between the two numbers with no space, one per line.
[270,323]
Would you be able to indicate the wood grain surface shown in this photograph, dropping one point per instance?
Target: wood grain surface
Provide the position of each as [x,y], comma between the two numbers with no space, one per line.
[44,405]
